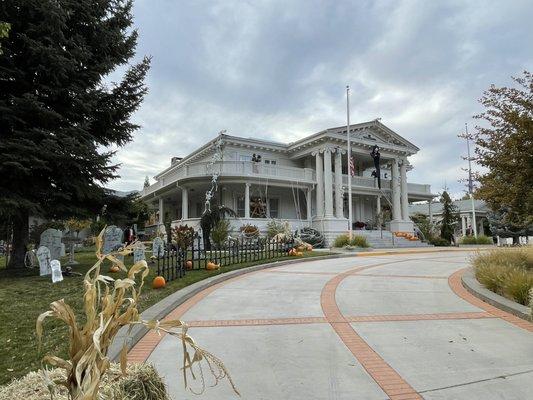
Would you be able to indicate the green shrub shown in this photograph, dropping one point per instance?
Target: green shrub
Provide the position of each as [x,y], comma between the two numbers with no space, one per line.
[277,226]
[341,241]
[220,232]
[359,241]
[473,240]
[438,241]
[344,240]
[508,272]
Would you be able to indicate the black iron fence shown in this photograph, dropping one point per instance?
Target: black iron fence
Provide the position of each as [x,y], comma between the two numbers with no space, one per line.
[175,261]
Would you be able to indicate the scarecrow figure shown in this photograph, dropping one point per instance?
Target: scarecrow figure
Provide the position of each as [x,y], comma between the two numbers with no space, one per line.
[376,156]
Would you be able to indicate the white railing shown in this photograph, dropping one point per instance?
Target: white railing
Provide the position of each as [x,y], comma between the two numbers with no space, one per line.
[233,168]
[418,188]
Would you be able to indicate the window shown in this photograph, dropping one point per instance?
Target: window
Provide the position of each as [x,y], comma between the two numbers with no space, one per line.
[240,207]
[270,162]
[245,158]
[273,208]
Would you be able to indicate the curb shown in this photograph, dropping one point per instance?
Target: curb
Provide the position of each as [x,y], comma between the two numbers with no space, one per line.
[472,285]
[168,304]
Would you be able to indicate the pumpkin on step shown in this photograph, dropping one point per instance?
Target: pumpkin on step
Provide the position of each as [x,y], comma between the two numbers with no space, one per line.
[211,266]
[188,264]
[159,282]
[114,268]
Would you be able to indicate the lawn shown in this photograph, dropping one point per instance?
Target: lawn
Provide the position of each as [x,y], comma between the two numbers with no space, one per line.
[24,297]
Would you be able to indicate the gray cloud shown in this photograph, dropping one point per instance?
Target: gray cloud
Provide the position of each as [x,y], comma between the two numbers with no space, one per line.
[277,69]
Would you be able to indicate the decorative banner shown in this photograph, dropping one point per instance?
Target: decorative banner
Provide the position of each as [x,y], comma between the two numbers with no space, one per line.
[352,166]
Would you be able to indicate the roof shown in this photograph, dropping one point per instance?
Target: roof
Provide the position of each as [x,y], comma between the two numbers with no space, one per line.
[436,208]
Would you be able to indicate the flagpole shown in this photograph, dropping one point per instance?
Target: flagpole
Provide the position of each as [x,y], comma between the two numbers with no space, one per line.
[349,162]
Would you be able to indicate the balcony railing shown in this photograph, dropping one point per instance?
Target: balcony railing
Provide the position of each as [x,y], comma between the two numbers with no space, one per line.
[233,168]
[279,172]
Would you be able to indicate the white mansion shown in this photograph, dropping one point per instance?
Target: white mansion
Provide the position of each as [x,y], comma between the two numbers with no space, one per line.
[304,182]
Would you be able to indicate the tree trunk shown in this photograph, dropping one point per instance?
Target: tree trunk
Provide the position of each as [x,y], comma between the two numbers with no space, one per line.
[21,230]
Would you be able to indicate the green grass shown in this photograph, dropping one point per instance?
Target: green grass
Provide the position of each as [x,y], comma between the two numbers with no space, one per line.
[25,296]
[508,272]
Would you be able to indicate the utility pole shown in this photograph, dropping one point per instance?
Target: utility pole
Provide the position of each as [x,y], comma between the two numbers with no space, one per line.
[470,182]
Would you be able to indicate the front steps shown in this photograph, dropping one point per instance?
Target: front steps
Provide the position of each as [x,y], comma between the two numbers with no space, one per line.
[376,241]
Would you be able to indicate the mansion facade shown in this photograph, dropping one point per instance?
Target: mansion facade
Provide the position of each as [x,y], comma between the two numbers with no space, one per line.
[304,182]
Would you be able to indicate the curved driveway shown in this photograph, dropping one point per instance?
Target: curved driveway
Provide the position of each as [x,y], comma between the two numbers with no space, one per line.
[379,327]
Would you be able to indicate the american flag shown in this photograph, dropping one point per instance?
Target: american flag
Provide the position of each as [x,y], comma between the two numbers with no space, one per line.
[352,166]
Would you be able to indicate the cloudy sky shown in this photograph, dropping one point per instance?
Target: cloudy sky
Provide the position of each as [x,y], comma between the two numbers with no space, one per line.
[278,69]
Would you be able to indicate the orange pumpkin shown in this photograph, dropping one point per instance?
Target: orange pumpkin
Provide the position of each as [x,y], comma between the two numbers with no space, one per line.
[211,266]
[299,253]
[158,282]
[114,268]
[188,264]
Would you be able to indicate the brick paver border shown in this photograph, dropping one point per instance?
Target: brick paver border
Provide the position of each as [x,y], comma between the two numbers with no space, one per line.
[383,374]
[456,285]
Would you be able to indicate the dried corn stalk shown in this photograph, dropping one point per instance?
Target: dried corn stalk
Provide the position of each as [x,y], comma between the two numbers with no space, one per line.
[110,305]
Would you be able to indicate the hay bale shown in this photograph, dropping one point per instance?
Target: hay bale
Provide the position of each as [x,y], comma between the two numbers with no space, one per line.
[141,383]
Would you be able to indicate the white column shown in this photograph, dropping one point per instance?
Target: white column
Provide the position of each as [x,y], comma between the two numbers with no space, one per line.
[463,225]
[161,211]
[395,186]
[378,204]
[246,200]
[328,184]
[403,188]
[430,212]
[184,203]
[339,212]
[319,185]
[309,199]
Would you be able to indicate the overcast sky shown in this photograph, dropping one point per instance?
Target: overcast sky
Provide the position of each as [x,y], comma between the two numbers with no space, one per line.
[278,69]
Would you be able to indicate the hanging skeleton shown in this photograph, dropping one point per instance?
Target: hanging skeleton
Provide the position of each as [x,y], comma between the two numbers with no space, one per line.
[376,156]
[210,217]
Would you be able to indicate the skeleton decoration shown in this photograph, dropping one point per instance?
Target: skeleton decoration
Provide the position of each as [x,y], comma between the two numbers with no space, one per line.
[210,217]
[376,156]
[217,156]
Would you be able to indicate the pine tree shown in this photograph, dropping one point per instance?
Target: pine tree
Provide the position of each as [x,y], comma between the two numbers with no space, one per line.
[58,117]
[450,217]
[146,181]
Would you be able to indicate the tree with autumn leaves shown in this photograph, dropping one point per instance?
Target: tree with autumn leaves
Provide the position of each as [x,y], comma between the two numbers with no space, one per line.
[504,147]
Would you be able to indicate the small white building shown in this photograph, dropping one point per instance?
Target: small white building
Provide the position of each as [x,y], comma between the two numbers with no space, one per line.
[304,182]
[464,209]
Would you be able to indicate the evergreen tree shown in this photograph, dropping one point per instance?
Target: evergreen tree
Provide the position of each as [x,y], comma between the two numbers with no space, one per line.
[450,217]
[146,181]
[504,146]
[58,117]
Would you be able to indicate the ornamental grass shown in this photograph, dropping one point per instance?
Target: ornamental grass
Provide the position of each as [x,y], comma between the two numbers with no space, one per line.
[109,305]
[508,272]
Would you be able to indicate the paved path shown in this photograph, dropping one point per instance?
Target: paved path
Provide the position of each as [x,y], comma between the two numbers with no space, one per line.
[382,327]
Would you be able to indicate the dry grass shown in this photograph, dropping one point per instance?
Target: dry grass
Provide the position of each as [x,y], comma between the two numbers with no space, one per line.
[508,272]
[141,383]
[108,306]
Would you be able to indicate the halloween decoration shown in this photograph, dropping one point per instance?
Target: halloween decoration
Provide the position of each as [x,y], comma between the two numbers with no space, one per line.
[376,156]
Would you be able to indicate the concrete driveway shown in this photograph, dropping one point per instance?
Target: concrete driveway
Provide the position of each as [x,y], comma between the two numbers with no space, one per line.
[380,327]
